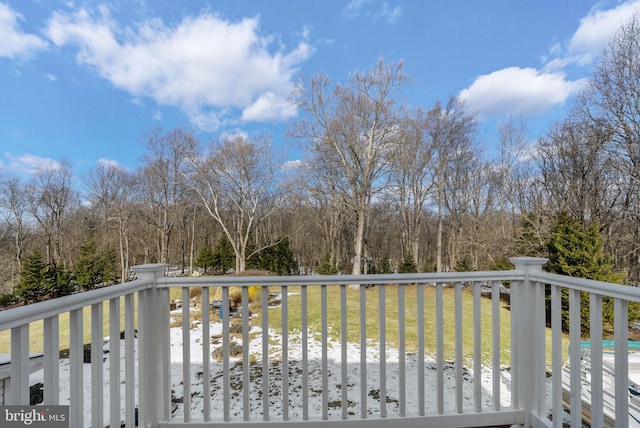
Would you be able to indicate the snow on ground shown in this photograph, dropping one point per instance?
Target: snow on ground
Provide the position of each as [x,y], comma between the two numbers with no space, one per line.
[315,379]
[334,353]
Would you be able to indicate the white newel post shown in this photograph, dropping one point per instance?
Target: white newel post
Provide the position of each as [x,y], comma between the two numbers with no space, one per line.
[528,338]
[154,397]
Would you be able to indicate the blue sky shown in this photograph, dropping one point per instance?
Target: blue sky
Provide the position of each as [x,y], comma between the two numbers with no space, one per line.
[83,80]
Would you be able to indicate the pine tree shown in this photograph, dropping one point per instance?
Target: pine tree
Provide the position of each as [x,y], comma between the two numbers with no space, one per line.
[36,279]
[577,250]
[88,269]
[278,258]
[408,265]
[206,259]
[108,265]
[385,266]
[225,257]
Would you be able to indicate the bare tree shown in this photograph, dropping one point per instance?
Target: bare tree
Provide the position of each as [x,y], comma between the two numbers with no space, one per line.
[163,180]
[353,126]
[451,129]
[111,190]
[412,179]
[15,203]
[52,198]
[576,172]
[237,183]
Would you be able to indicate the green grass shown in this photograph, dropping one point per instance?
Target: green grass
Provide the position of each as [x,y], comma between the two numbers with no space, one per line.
[294,320]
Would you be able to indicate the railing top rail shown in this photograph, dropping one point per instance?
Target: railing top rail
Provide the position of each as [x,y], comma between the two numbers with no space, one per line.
[617,291]
[23,315]
[418,278]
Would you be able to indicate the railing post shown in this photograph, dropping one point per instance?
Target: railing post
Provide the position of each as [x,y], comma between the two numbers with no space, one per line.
[153,334]
[527,337]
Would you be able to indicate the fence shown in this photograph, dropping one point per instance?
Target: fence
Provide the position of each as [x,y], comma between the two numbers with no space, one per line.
[436,349]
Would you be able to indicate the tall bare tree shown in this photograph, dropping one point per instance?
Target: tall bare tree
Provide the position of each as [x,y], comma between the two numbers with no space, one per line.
[111,190]
[14,201]
[163,180]
[52,199]
[353,126]
[412,179]
[452,129]
[237,182]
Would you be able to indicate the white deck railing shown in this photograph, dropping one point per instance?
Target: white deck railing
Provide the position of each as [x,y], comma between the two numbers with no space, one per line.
[279,377]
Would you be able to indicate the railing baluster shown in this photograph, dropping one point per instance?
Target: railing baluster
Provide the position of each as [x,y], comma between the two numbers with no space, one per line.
[477,346]
[621,334]
[130,360]
[439,349]
[76,356]
[325,383]
[402,378]
[495,343]
[246,368]
[420,331]
[539,349]
[19,392]
[305,355]
[186,354]
[458,344]
[52,360]
[114,362]
[556,346]
[595,321]
[383,349]
[206,354]
[285,353]
[514,356]
[343,351]
[363,352]
[226,381]
[575,357]
[265,353]
[97,372]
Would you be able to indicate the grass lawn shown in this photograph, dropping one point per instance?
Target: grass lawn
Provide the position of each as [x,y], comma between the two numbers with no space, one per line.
[391,310]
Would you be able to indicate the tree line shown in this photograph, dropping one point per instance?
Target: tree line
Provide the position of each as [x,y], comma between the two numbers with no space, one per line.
[383,186]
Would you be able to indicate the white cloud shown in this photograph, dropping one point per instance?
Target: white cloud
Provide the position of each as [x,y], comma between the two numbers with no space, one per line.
[15,43]
[292,165]
[109,163]
[208,67]
[28,163]
[518,92]
[268,107]
[358,8]
[530,91]
[597,28]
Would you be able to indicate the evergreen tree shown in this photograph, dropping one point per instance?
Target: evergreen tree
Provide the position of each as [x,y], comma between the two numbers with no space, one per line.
[385,266]
[577,250]
[36,279]
[408,265]
[464,265]
[206,259]
[225,257]
[63,283]
[109,265]
[88,268]
[278,258]
[326,268]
